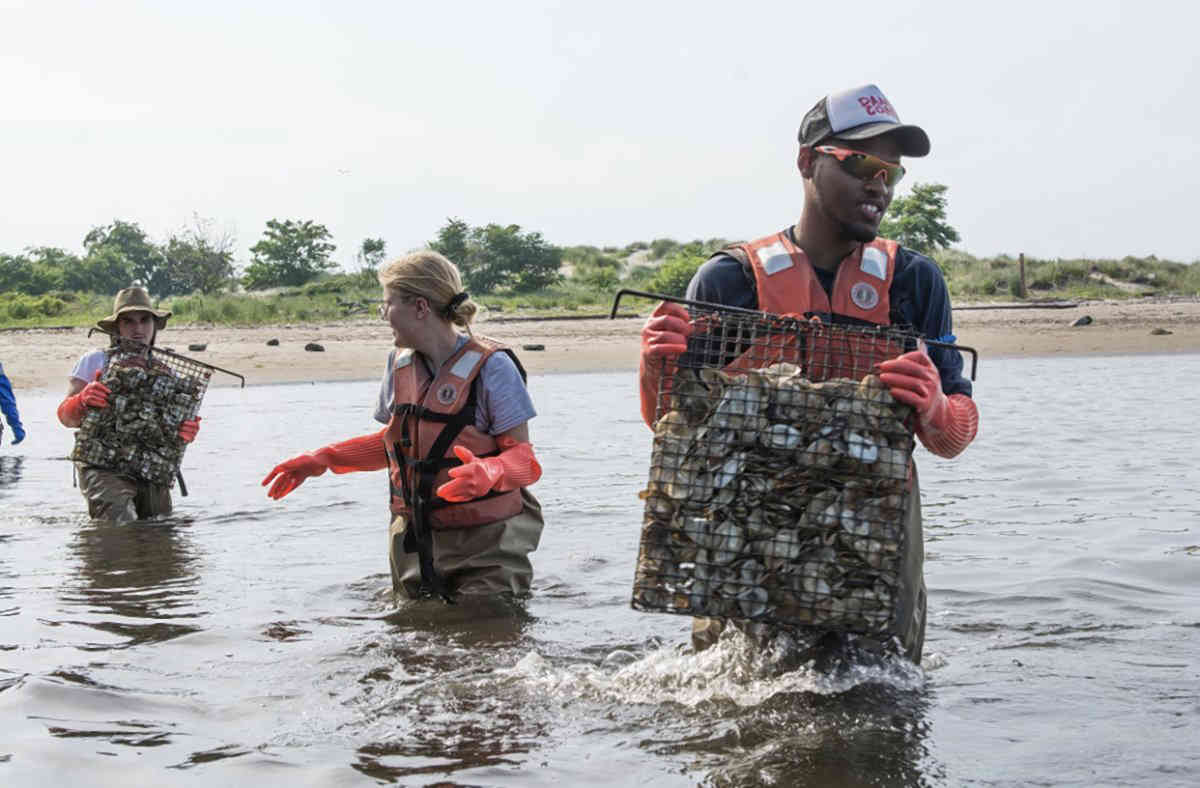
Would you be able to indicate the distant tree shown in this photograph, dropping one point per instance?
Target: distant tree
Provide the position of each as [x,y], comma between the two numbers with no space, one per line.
[453,240]
[142,257]
[17,275]
[496,256]
[918,220]
[104,270]
[289,254]
[371,253]
[58,269]
[199,259]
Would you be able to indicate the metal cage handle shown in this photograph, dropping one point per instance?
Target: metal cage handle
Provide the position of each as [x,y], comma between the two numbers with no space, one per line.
[151,350]
[760,314]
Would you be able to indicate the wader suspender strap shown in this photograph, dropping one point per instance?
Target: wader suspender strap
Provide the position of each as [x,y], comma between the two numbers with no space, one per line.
[418,536]
[422,499]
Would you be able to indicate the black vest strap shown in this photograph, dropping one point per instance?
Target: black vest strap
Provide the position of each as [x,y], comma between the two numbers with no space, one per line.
[418,494]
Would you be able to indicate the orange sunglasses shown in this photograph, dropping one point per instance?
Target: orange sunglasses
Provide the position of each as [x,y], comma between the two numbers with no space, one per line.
[864,165]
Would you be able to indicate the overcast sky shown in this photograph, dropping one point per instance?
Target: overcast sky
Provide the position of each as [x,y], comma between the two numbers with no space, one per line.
[1061,129]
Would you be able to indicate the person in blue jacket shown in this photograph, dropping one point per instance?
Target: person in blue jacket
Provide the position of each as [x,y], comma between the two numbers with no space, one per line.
[8,404]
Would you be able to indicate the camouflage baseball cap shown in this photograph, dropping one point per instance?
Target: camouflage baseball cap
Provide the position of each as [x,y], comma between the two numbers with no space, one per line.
[858,114]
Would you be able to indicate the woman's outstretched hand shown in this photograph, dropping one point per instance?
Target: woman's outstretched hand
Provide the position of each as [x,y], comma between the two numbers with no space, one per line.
[290,474]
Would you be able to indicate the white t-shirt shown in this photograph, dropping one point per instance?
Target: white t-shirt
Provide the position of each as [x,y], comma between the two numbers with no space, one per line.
[503,404]
[88,365]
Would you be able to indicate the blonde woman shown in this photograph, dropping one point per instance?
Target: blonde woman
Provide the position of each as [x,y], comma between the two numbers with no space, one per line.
[455,445]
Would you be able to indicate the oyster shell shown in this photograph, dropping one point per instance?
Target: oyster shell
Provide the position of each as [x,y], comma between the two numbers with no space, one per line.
[784,497]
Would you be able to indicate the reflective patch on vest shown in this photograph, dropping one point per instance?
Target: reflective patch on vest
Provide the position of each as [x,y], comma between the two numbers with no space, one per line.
[462,368]
[447,393]
[774,258]
[874,262]
[864,296]
[402,359]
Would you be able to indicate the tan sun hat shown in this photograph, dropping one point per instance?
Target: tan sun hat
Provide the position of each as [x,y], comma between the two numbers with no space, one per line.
[133,299]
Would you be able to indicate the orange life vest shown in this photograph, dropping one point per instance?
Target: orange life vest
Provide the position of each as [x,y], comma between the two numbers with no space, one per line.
[430,416]
[787,284]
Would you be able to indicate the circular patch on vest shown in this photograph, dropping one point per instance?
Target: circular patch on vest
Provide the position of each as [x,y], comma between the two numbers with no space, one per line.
[447,394]
[864,296]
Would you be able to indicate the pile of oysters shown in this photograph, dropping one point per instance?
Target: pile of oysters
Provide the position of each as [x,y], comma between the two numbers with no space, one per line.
[776,499]
[137,435]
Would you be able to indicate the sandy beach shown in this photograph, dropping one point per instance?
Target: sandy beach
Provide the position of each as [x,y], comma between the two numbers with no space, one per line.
[42,359]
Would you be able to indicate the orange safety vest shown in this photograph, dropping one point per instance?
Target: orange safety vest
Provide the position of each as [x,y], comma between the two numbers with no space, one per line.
[787,284]
[430,416]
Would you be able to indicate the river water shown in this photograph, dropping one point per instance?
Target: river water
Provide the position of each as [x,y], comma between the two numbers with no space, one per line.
[250,641]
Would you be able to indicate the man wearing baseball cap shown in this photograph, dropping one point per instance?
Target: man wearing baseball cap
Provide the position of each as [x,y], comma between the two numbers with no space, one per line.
[831,263]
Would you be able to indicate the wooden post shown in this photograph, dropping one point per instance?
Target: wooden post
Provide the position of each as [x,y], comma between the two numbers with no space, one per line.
[1024,291]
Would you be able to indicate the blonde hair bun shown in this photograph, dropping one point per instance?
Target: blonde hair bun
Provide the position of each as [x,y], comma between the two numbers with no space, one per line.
[431,276]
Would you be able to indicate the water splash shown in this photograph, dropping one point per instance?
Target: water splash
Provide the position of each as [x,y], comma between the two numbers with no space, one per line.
[734,670]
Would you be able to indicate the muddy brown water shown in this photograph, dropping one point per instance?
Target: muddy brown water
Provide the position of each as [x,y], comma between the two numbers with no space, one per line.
[246,641]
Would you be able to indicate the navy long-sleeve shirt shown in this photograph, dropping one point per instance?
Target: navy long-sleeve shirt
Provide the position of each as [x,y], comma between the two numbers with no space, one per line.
[918,296]
[8,403]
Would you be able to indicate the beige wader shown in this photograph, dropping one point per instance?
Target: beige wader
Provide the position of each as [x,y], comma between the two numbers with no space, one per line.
[481,559]
[910,603]
[121,499]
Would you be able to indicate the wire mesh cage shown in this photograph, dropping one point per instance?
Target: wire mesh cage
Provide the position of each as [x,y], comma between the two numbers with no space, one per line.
[778,485]
[151,392]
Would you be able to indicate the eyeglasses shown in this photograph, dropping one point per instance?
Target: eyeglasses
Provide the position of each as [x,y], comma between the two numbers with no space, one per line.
[864,165]
[403,298]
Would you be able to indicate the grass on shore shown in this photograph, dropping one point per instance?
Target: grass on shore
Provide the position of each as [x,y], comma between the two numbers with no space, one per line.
[348,295]
[998,278]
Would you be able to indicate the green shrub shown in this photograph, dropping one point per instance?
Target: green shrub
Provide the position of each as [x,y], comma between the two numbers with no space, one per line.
[639,277]
[673,276]
[661,247]
[50,306]
[20,308]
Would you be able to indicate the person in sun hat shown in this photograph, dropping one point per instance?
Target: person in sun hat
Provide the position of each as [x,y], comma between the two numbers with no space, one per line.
[109,495]
[832,263]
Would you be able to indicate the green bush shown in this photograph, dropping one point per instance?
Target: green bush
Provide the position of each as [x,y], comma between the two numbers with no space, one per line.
[639,277]
[673,276]
[661,247]
[20,308]
[49,305]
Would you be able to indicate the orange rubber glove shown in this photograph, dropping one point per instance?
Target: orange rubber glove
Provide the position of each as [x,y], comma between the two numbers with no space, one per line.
[945,425]
[365,453]
[94,395]
[664,337]
[511,469]
[188,430]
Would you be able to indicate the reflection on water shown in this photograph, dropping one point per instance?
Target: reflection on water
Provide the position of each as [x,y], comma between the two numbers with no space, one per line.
[10,472]
[10,475]
[439,657]
[256,642]
[135,581]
